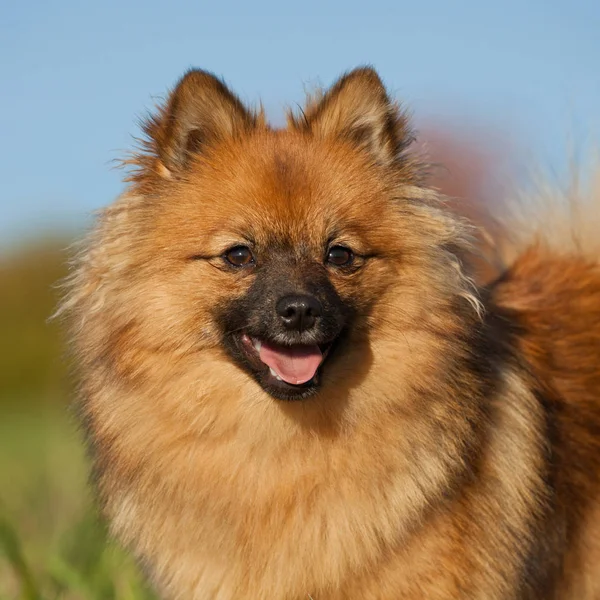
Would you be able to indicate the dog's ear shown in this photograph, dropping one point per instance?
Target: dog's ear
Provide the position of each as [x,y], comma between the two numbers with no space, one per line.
[358,109]
[200,111]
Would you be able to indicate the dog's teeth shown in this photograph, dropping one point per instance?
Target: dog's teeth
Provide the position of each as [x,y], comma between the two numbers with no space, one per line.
[275,374]
[257,345]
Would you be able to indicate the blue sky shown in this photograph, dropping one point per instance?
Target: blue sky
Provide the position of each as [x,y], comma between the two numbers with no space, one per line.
[76,76]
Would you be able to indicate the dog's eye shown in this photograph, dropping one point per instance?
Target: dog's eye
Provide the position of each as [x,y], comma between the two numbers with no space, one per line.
[340,256]
[239,256]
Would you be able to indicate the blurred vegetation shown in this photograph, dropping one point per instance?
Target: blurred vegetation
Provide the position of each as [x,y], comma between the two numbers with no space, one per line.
[52,544]
[32,368]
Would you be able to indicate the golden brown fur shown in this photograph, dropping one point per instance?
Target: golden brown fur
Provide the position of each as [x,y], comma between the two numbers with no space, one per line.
[453,448]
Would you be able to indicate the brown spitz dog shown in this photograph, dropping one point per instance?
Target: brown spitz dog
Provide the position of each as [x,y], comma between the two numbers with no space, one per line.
[292,388]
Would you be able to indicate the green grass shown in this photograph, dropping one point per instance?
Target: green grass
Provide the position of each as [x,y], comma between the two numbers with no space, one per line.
[52,545]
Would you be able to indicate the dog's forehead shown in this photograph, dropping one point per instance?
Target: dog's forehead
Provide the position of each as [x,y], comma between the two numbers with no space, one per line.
[298,173]
[283,189]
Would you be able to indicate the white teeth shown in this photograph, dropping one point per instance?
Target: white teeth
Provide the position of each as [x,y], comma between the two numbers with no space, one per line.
[275,374]
[257,344]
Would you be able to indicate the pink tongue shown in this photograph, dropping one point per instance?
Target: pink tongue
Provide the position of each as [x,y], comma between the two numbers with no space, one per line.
[295,364]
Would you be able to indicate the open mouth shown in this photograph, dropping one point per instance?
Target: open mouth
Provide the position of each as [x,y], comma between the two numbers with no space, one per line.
[289,371]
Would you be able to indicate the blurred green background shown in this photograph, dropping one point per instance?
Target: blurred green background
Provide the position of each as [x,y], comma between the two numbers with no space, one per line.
[52,544]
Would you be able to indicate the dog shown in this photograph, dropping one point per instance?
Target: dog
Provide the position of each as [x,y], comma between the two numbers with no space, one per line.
[291,386]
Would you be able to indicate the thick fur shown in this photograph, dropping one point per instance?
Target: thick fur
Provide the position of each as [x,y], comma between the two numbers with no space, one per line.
[453,447]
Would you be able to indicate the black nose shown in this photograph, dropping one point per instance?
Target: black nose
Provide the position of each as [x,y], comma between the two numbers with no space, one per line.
[299,312]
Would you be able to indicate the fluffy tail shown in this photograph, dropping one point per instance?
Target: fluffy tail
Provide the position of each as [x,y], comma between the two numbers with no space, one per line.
[555,221]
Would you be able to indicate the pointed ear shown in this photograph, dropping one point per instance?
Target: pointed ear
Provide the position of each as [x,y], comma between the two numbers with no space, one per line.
[200,111]
[358,109]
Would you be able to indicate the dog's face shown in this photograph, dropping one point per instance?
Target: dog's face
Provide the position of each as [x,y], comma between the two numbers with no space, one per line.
[284,250]
[291,318]
[273,259]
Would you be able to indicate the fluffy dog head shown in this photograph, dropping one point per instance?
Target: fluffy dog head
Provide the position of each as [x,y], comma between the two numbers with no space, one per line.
[283,250]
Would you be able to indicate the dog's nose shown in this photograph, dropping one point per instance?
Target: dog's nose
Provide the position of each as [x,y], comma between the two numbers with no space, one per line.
[298,312]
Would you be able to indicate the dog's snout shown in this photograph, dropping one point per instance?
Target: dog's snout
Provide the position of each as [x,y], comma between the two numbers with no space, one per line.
[298,312]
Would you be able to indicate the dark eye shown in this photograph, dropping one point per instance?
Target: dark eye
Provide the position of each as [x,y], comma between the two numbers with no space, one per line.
[340,256]
[239,256]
